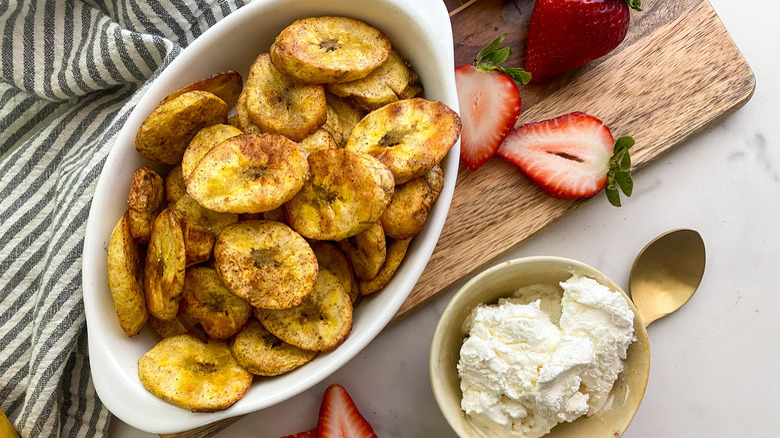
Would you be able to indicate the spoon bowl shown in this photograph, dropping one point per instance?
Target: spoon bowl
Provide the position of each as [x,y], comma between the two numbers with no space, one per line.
[666,273]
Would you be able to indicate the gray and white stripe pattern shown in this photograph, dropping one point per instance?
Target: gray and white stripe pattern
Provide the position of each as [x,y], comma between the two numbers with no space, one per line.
[70,73]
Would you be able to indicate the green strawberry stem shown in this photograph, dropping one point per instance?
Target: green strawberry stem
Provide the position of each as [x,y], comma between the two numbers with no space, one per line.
[634,4]
[493,55]
[619,173]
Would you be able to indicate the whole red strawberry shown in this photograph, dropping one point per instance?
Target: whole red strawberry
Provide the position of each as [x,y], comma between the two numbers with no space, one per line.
[489,102]
[568,33]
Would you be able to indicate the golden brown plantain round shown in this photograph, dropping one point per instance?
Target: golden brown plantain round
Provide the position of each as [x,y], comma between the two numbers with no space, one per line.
[330,257]
[263,354]
[220,312]
[226,85]
[435,179]
[167,328]
[242,114]
[409,136]
[346,193]
[396,251]
[174,185]
[192,374]
[164,268]
[321,139]
[412,202]
[202,143]
[265,263]
[249,173]
[321,322]
[366,251]
[198,244]
[125,278]
[329,49]
[165,134]
[341,118]
[191,212]
[278,104]
[393,80]
[144,202]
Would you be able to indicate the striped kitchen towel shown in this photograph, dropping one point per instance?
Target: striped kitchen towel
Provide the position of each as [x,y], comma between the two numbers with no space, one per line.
[71,72]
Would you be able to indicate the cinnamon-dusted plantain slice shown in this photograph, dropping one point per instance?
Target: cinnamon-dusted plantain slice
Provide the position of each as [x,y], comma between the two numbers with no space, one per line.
[329,49]
[164,268]
[396,251]
[174,185]
[226,85]
[412,202]
[346,193]
[197,244]
[220,312]
[125,278]
[392,81]
[193,374]
[265,263]
[144,202]
[330,257]
[167,328]
[242,115]
[191,212]
[278,104]
[263,354]
[321,322]
[409,136]
[366,251]
[165,134]
[321,139]
[341,118]
[249,173]
[203,142]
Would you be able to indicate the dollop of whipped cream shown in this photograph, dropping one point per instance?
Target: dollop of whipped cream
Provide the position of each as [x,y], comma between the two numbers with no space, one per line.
[544,357]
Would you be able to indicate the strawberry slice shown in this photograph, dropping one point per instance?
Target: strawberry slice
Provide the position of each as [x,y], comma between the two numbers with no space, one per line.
[489,102]
[566,34]
[571,156]
[340,418]
[307,434]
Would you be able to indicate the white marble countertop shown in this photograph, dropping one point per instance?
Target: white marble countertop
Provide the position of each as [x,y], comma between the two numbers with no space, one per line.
[715,362]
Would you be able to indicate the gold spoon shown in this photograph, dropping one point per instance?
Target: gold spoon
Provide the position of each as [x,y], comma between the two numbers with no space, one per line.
[666,273]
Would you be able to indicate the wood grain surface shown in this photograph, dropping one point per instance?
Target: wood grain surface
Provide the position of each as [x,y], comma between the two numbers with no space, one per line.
[677,72]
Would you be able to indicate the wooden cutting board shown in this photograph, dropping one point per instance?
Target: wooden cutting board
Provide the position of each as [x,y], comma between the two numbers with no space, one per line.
[677,72]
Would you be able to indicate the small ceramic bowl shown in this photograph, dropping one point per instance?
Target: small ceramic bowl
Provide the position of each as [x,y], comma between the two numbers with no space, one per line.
[421,31]
[502,281]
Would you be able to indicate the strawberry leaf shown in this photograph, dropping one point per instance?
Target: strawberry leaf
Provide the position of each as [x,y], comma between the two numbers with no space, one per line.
[634,4]
[619,174]
[493,55]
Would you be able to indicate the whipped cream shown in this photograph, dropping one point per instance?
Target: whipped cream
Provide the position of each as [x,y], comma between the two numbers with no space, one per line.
[547,356]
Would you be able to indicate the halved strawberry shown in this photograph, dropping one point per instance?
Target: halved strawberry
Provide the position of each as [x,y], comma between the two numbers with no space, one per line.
[307,434]
[340,418]
[489,103]
[571,156]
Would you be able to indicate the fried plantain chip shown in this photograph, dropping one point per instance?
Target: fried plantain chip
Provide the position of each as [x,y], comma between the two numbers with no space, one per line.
[167,328]
[278,104]
[125,278]
[202,143]
[242,115]
[330,257]
[263,354]
[412,201]
[266,263]
[198,244]
[191,212]
[220,312]
[321,322]
[164,268]
[366,251]
[392,81]
[144,202]
[396,251]
[409,136]
[165,134]
[346,193]
[174,185]
[321,139]
[329,49]
[341,118]
[226,85]
[249,173]
[192,374]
